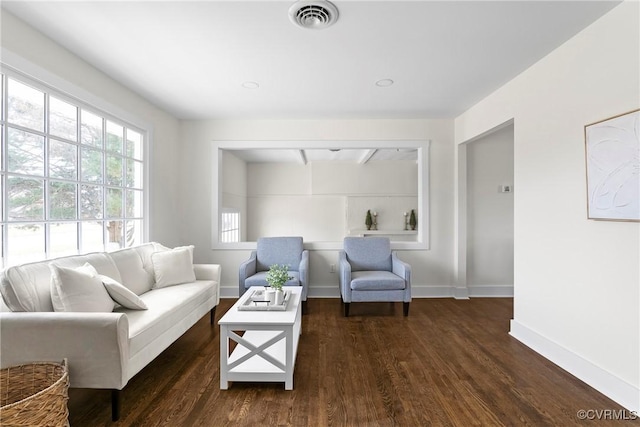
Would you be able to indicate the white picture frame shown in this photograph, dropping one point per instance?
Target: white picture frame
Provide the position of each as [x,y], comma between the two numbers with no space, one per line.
[612,151]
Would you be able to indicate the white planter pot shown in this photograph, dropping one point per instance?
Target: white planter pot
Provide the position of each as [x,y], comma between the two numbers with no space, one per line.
[271,296]
[279,297]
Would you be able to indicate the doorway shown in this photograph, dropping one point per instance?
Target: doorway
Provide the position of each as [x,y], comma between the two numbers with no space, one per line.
[486,239]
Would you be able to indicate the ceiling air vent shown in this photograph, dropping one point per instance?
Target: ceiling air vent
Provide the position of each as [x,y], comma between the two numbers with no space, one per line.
[314,15]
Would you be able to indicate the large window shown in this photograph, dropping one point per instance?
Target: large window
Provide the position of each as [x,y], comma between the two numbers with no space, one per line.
[71,175]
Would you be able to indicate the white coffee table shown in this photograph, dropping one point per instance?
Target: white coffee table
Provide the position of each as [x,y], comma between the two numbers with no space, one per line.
[266,352]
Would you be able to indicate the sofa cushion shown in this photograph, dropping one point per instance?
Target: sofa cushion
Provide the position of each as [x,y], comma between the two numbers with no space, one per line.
[173,267]
[167,307]
[133,274]
[116,290]
[19,290]
[78,290]
[27,287]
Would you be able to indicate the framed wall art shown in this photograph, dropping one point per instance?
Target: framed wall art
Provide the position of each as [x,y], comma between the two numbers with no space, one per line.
[612,148]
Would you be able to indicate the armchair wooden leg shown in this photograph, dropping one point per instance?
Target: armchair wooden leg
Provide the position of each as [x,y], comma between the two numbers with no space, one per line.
[213,314]
[115,405]
[406,308]
[346,309]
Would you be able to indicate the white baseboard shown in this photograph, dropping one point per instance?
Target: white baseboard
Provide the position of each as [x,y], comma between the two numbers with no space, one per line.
[606,383]
[417,291]
[491,291]
[324,291]
[229,292]
[332,291]
[461,292]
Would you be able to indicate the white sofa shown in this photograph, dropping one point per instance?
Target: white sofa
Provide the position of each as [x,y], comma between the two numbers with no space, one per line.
[104,349]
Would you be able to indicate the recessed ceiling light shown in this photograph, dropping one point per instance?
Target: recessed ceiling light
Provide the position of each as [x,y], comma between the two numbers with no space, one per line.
[384,83]
[250,85]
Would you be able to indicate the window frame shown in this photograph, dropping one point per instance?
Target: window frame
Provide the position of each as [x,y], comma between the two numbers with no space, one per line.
[421,145]
[59,89]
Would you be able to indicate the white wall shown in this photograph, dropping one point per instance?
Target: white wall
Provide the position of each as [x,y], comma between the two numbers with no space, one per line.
[281,203]
[432,268]
[490,213]
[326,201]
[576,280]
[234,187]
[43,56]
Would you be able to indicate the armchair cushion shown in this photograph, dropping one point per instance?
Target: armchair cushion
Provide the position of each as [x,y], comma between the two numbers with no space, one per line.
[260,279]
[368,254]
[279,250]
[376,281]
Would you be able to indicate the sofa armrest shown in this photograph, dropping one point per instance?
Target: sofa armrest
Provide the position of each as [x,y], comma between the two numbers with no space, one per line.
[209,272]
[403,270]
[345,276]
[95,344]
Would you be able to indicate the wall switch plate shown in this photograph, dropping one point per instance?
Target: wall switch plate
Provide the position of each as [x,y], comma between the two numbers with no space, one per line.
[332,268]
[506,189]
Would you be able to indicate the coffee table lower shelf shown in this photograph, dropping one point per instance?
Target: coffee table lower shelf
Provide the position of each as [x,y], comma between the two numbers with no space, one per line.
[258,367]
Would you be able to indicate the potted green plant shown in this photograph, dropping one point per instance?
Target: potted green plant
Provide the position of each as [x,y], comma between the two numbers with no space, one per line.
[277,276]
[368,221]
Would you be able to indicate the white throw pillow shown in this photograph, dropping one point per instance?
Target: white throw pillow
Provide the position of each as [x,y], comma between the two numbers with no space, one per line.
[88,269]
[78,290]
[121,294]
[116,290]
[173,267]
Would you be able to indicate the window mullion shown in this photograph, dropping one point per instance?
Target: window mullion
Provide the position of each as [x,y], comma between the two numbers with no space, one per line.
[77,180]
[45,197]
[3,168]
[105,190]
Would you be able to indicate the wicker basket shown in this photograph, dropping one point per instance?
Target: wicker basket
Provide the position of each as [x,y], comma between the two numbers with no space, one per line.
[35,394]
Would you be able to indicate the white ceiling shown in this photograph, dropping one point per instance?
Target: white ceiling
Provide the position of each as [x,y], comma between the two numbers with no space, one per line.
[361,156]
[191,58]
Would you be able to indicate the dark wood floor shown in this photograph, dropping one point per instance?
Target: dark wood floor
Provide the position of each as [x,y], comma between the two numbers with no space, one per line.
[450,363]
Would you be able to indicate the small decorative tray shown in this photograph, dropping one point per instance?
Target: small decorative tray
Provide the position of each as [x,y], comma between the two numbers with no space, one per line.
[258,301]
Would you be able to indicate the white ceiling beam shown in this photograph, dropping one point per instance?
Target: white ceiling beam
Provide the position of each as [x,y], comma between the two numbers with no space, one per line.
[367,155]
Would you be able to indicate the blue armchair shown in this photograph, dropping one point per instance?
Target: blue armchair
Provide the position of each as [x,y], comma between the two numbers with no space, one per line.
[276,250]
[370,271]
